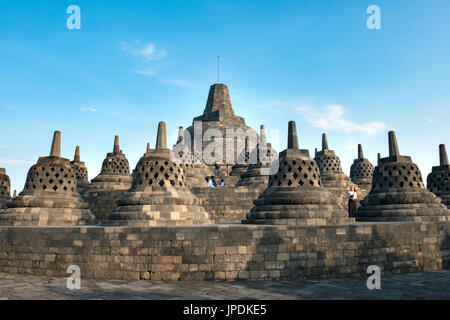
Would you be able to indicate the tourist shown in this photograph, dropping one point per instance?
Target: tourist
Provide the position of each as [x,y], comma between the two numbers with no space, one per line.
[211,181]
[217,170]
[214,183]
[222,183]
[229,169]
[352,197]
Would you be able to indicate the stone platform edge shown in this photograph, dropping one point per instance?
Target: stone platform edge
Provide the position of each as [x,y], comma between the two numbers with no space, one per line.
[225,251]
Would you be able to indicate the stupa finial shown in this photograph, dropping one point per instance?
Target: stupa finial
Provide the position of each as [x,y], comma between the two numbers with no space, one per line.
[148,147]
[360,152]
[55,151]
[443,159]
[116,148]
[76,158]
[379,158]
[393,146]
[324,142]
[180,135]
[161,139]
[262,135]
[292,136]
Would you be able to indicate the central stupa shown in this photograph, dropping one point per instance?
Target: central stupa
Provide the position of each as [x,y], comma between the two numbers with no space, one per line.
[219,114]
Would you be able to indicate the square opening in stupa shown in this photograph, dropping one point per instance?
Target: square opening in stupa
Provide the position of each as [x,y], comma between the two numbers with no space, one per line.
[223,204]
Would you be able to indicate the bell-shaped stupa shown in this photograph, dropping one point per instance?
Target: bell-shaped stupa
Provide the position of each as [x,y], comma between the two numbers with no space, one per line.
[361,172]
[295,194]
[398,192]
[5,188]
[81,172]
[213,135]
[262,164]
[438,180]
[195,172]
[333,178]
[112,182]
[50,196]
[159,195]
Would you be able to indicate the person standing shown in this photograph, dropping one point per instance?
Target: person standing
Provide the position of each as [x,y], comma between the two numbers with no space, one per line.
[217,170]
[352,196]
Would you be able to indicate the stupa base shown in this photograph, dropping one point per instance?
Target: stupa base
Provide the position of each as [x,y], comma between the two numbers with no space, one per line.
[38,216]
[418,212]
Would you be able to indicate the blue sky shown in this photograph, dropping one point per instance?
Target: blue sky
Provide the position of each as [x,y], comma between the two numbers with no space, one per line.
[134,63]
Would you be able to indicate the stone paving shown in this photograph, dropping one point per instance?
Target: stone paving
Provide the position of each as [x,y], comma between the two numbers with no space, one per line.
[431,285]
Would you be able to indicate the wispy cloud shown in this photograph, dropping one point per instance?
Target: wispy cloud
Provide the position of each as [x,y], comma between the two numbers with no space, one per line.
[149,72]
[331,117]
[2,146]
[174,82]
[89,109]
[147,51]
[116,114]
[12,162]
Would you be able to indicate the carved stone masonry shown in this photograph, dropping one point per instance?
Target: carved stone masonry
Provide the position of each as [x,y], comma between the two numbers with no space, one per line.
[438,180]
[81,173]
[361,172]
[295,194]
[398,192]
[5,185]
[158,195]
[50,196]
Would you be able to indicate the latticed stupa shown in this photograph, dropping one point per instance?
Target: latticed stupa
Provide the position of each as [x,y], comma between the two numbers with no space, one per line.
[295,194]
[398,192]
[333,178]
[438,180]
[261,162]
[195,172]
[5,187]
[112,182]
[81,172]
[158,196]
[361,172]
[218,114]
[50,196]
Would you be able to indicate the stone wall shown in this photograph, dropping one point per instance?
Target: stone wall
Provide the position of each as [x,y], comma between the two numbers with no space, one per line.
[227,204]
[225,252]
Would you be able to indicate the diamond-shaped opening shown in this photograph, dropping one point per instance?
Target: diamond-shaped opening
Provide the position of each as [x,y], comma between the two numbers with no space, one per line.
[301,183]
[150,182]
[305,176]
[55,188]
[61,181]
[289,183]
[161,183]
[52,169]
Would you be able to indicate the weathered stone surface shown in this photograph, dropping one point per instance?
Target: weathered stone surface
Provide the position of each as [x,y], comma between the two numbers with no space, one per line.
[295,194]
[361,172]
[112,182]
[226,252]
[333,178]
[81,172]
[50,196]
[438,180]
[5,188]
[398,192]
[158,195]
[219,114]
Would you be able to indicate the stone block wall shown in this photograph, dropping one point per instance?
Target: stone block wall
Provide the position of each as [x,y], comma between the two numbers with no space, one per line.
[225,252]
[227,204]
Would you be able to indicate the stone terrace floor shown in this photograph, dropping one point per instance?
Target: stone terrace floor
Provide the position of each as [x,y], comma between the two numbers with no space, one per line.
[431,285]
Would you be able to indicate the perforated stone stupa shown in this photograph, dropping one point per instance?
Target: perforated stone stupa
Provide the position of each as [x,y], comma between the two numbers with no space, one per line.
[158,196]
[81,172]
[5,186]
[112,182]
[295,194]
[218,114]
[438,180]
[361,172]
[333,178]
[258,172]
[195,171]
[50,196]
[398,192]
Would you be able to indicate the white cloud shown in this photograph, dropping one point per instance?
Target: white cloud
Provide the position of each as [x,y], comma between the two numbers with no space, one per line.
[117,114]
[147,51]
[12,162]
[2,146]
[149,72]
[174,82]
[430,120]
[331,117]
[89,109]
